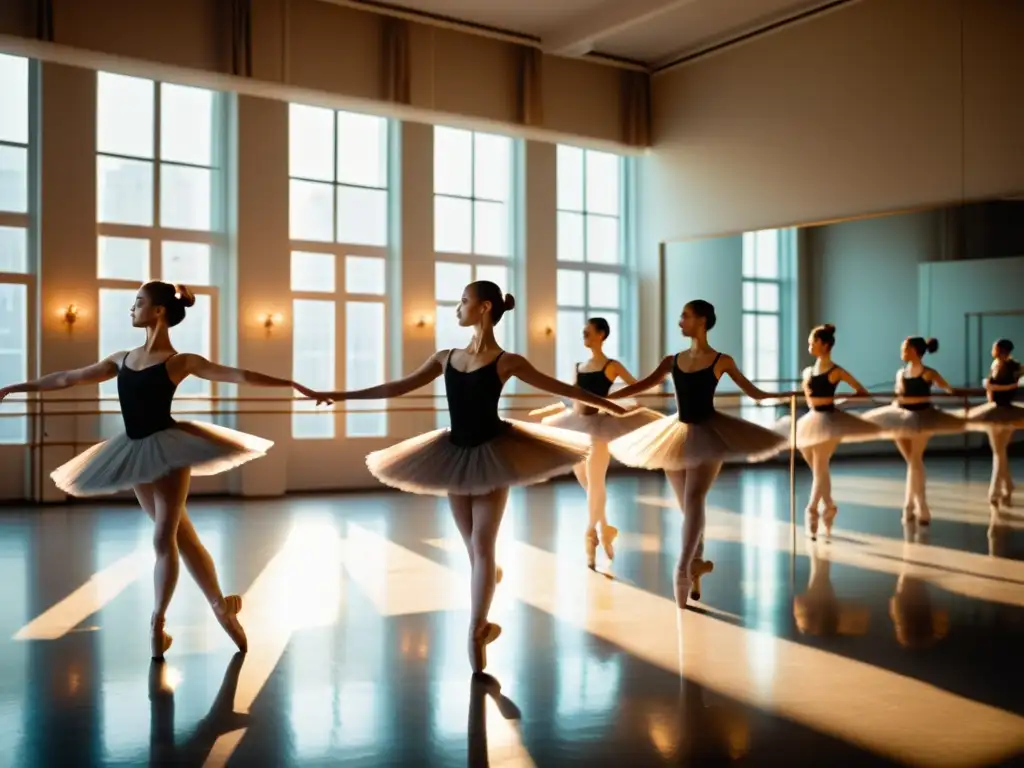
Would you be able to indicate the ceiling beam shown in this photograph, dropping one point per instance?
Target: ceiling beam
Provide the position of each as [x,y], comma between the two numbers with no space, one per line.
[580,36]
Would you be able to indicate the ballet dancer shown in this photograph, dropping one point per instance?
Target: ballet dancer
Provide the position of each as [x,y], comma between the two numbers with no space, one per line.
[820,613]
[1000,418]
[912,419]
[820,430]
[477,459]
[156,456]
[597,376]
[692,445]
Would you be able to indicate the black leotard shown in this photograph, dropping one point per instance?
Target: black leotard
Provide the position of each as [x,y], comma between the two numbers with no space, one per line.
[819,385]
[595,382]
[1009,374]
[695,391]
[473,403]
[916,386]
[145,396]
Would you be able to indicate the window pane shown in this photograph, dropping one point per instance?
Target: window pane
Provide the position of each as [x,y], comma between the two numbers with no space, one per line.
[497,275]
[602,240]
[313,272]
[450,280]
[492,166]
[768,297]
[568,343]
[312,211]
[115,328]
[602,183]
[125,191]
[13,179]
[186,124]
[195,334]
[13,358]
[14,109]
[748,254]
[611,344]
[365,274]
[13,249]
[604,290]
[448,333]
[768,349]
[313,329]
[362,150]
[570,236]
[123,258]
[569,287]
[124,115]
[453,161]
[570,178]
[766,253]
[310,142]
[365,352]
[490,229]
[453,225]
[186,263]
[362,216]
[185,197]
[749,347]
[749,297]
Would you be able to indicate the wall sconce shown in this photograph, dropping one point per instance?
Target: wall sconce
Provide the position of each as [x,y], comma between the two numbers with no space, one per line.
[549,331]
[69,316]
[270,319]
[425,321]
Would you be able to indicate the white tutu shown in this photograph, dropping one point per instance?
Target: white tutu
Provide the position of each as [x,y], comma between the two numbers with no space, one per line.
[896,421]
[669,443]
[522,454]
[601,425]
[991,416]
[817,427]
[119,463]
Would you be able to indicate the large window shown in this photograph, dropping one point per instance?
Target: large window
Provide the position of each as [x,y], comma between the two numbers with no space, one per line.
[160,210]
[15,262]
[592,271]
[338,168]
[473,215]
[762,312]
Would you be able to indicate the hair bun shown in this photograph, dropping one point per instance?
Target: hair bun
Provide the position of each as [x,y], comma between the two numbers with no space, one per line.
[828,328]
[932,345]
[510,302]
[184,295]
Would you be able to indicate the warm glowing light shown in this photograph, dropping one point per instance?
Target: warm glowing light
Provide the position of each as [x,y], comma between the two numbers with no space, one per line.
[69,315]
[270,320]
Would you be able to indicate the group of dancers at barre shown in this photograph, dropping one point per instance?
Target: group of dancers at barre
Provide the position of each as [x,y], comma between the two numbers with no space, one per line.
[480,456]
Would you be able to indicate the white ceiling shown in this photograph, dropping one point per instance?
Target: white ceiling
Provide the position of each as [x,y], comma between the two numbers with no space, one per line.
[649,31]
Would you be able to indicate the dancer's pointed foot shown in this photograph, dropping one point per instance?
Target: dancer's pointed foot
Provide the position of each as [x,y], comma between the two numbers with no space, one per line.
[481,637]
[811,520]
[590,542]
[924,515]
[608,535]
[683,587]
[159,640]
[227,614]
[829,518]
[698,569]
[499,574]
[908,513]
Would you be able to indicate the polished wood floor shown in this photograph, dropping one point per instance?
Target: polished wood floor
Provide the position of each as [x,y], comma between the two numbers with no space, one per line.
[884,645]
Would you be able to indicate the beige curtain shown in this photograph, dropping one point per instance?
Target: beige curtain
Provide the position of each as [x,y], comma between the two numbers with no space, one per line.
[529,85]
[43,11]
[395,69]
[241,37]
[636,108]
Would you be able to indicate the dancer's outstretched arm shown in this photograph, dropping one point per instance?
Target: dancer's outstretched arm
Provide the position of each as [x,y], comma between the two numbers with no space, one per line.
[520,367]
[755,393]
[104,370]
[426,373]
[653,379]
[188,364]
[941,383]
[619,371]
[845,375]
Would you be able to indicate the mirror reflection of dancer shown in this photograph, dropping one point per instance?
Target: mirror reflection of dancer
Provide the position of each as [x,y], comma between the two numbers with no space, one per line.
[820,613]
[692,445]
[1000,418]
[156,456]
[476,461]
[819,432]
[912,419]
[597,375]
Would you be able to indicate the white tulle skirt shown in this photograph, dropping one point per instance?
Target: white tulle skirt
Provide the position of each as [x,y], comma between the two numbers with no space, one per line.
[896,421]
[671,444]
[522,454]
[600,425]
[119,463]
[989,417]
[817,427]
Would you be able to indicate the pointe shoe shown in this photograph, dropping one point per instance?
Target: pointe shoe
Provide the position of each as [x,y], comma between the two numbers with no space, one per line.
[227,615]
[924,515]
[908,513]
[499,574]
[478,642]
[159,640]
[698,569]
[683,588]
[811,520]
[608,535]
[591,542]
[829,518]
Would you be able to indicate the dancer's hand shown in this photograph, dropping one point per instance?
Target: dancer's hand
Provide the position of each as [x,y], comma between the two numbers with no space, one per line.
[615,409]
[319,397]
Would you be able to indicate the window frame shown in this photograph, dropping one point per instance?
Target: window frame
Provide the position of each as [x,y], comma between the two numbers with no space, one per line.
[157,235]
[29,222]
[753,279]
[339,295]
